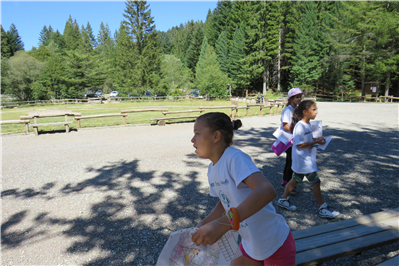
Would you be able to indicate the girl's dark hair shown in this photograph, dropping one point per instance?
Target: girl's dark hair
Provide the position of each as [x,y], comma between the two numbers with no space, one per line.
[221,122]
[298,113]
[290,100]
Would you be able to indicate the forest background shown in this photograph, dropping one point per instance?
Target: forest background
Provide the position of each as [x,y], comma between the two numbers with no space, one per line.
[256,46]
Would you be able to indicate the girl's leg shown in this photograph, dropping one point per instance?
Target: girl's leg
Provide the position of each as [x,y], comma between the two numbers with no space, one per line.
[287,174]
[317,194]
[289,187]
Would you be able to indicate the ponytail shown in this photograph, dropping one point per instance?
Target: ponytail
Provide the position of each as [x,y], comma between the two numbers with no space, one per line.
[298,113]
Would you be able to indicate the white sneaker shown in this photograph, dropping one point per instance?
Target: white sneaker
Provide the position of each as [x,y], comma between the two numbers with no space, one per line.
[326,212]
[284,203]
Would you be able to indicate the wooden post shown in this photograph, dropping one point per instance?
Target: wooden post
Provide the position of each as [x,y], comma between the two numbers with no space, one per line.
[67,128]
[247,109]
[124,120]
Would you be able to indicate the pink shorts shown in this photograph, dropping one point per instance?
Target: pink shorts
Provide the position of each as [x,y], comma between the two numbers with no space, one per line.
[284,256]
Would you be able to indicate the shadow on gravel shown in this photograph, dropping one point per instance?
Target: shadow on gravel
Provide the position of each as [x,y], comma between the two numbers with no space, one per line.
[129,225]
[361,168]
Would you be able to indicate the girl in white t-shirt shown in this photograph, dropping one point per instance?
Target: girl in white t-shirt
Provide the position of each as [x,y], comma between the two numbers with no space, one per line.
[304,158]
[294,98]
[245,197]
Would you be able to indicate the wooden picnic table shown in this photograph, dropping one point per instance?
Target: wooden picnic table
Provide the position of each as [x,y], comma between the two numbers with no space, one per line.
[35,115]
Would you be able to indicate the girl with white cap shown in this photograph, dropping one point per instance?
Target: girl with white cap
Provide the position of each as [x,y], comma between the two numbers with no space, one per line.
[294,98]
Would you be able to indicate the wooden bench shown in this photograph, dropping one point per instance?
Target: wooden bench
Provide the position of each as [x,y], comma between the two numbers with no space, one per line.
[46,114]
[7,122]
[162,121]
[78,118]
[318,244]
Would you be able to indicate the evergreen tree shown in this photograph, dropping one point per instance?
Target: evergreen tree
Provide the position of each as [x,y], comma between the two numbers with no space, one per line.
[237,57]
[125,59]
[45,36]
[105,43]
[306,61]
[14,40]
[72,36]
[222,52]
[194,48]
[5,44]
[209,78]
[140,26]
[222,21]
[209,29]
[254,67]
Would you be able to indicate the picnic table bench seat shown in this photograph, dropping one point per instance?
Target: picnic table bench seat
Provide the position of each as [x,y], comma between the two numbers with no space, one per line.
[322,243]
[35,115]
[162,120]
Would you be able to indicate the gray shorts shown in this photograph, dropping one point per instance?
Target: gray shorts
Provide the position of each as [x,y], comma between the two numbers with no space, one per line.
[312,177]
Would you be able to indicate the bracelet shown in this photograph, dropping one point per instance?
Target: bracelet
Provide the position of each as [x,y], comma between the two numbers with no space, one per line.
[234,218]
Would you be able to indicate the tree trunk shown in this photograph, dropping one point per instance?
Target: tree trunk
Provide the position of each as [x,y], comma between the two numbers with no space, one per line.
[279,61]
[363,71]
[388,83]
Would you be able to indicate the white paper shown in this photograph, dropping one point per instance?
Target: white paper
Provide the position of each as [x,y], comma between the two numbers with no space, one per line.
[317,128]
[181,250]
[283,136]
[324,146]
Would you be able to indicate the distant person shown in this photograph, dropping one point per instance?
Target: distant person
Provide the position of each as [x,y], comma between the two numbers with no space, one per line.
[245,197]
[294,98]
[304,158]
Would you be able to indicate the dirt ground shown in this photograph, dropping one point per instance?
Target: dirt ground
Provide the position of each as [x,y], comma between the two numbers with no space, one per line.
[113,195]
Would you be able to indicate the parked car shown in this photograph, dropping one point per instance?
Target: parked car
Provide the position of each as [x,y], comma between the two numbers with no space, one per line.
[147,93]
[91,95]
[99,92]
[89,92]
[114,94]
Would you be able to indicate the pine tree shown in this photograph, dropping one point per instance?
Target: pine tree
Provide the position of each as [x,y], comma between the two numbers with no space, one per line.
[140,26]
[125,59]
[306,61]
[45,36]
[254,66]
[72,36]
[209,78]
[105,43]
[5,44]
[222,21]
[236,59]
[14,40]
[194,49]
[222,52]
[209,29]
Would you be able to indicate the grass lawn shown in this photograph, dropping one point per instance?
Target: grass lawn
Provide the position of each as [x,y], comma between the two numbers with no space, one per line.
[116,107]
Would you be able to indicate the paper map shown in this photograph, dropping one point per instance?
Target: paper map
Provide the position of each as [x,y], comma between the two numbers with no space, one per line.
[181,250]
[317,131]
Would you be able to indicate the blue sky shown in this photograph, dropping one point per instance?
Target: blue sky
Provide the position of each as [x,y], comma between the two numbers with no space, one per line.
[30,17]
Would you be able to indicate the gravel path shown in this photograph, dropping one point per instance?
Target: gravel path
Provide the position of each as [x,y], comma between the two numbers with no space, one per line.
[113,195]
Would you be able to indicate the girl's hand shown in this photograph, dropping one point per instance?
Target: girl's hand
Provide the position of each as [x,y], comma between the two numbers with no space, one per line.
[210,233]
[320,140]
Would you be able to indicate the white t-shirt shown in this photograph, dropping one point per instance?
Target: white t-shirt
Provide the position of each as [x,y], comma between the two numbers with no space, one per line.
[265,231]
[303,160]
[286,115]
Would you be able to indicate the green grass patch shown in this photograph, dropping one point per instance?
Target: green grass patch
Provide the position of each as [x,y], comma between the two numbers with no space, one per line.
[117,107]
